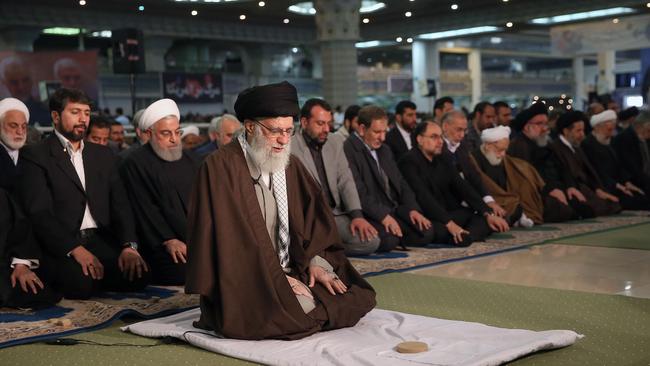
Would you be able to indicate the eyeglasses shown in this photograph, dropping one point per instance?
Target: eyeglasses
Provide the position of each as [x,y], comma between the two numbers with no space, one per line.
[434,137]
[277,132]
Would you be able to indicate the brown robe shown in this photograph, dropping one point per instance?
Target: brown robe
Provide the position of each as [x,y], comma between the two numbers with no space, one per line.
[524,186]
[233,265]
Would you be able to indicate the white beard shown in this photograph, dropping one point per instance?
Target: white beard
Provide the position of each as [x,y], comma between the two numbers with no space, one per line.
[169,153]
[491,157]
[10,142]
[601,139]
[262,154]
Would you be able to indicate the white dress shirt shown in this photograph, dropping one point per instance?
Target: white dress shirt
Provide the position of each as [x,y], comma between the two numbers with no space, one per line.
[76,157]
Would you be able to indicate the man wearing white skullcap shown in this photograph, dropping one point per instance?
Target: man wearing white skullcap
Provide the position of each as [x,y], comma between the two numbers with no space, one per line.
[514,183]
[616,180]
[14,117]
[159,178]
[191,137]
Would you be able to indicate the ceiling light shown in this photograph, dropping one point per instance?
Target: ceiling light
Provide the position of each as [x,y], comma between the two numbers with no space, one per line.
[194,13]
[568,106]
[561,101]
[294,50]
[459,32]
[398,39]
[615,20]
[367,44]
[286,21]
[509,24]
[102,34]
[454,6]
[647,5]
[563,96]
[82,2]
[242,17]
[409,40]
[496,40]
[366,20]
[583,15]
[62,31]
[550,108]
[408,14]
[570,101]
[505,1]
[535,98]
[307,7]
[141,7]
[261,3]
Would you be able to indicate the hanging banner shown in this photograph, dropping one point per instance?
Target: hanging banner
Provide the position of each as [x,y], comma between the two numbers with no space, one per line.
[589,38]
[193,88]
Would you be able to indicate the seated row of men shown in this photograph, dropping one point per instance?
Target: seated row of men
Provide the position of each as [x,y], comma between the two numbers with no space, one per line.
[107,222]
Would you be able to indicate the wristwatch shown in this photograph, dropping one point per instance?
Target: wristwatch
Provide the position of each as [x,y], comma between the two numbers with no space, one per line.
[131,244]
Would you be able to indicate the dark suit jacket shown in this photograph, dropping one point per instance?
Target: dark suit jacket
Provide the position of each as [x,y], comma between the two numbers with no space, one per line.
[463,164]
[575,167]
[627,147]
[8,171]
[375,202]
[604,160]
[51,193]
[438,188]
[396,142]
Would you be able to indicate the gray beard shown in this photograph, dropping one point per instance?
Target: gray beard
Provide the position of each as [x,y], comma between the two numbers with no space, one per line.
[9,142]
[542,140]
[262,154]
[167,154]
[601,139]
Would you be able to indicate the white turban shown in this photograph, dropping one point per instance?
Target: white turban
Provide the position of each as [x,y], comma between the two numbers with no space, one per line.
[157,111]
[13,104]
[190,130]
[605,116]
[495,134]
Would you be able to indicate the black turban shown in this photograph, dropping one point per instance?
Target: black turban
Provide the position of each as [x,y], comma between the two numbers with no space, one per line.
[569,118]
[272,100]
[527,114]
[628,113]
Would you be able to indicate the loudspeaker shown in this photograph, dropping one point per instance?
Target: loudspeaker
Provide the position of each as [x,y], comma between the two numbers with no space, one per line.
[128,51]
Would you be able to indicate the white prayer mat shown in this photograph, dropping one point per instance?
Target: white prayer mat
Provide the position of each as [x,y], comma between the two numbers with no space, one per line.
[371,341]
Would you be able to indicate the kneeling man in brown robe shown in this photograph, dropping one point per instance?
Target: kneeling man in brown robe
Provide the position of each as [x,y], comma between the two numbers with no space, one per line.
[263,249]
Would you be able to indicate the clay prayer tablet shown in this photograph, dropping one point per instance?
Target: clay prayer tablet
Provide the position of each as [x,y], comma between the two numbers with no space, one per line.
[411,347]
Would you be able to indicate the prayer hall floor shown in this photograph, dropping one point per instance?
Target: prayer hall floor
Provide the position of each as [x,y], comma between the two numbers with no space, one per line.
[562,285]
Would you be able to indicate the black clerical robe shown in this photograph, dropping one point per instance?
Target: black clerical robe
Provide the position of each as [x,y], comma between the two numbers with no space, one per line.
[159,191]
[577,172]
[16,241]
[233,265]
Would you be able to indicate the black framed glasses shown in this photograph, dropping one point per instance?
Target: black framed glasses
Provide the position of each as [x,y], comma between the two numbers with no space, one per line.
[277,132]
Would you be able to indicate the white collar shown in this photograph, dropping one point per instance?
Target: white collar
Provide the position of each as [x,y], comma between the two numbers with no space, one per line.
[68,145]
[13,154]
[567,143]
[452,146]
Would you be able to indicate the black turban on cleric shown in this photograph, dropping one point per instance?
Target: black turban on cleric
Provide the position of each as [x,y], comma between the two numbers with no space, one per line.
[527,114]
[272,100]
[567,119]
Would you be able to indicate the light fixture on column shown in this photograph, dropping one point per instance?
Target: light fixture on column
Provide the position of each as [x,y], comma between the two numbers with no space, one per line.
[408,14]
[409,40]
[194,13]
[286,21]
[141,7]
[261,4]
[366,20]
[615,20]
[242,17]
[509,24]
[82,2]
[398,39]
[454,6]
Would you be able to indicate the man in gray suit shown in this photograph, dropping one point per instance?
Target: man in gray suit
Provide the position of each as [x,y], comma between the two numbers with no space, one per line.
[326,162]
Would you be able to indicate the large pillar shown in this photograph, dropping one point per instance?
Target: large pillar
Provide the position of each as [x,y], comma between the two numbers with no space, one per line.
[579,96]
[155,49]
[606,78]
[338,31]
[475,74]
[426,66]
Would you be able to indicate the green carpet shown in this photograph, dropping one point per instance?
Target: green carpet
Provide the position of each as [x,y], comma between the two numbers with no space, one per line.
[617,328]
[633,237]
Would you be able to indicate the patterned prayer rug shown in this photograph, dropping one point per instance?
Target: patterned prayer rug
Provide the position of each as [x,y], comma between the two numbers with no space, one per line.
[496,243]
[74,316]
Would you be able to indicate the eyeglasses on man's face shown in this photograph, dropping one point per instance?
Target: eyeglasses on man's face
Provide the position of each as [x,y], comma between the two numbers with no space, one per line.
[277,132]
